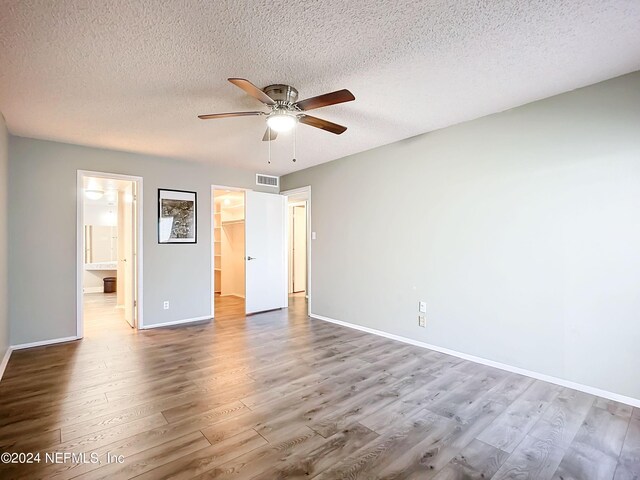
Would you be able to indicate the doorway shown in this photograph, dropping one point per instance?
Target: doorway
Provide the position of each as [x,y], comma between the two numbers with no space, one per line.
[248,248]
[109,256]
[299,240]
[228,252]
[297,247]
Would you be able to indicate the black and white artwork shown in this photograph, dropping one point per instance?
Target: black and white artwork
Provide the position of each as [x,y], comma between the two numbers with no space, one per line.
[177,222]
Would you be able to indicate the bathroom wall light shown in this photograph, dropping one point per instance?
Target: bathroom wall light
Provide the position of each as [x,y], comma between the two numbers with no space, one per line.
[93,194]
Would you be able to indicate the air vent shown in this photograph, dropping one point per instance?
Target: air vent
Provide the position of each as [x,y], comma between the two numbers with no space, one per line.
[267,180]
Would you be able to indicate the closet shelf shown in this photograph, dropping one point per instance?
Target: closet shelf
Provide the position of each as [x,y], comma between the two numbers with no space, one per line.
[232,222]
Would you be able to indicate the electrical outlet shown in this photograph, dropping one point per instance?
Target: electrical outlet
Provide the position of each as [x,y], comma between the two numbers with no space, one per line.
[166,305]
[422,307]
[422,321]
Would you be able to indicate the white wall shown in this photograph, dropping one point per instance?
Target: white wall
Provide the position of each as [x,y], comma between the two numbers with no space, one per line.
[520,230]
[233,263]
[100,214]
[42,231]
[4,208]
[94,279]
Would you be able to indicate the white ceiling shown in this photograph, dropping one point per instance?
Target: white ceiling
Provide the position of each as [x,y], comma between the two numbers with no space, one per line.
[110,187]
[133,75]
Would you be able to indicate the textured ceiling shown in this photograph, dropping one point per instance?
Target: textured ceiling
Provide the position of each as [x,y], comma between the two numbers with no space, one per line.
[133,75]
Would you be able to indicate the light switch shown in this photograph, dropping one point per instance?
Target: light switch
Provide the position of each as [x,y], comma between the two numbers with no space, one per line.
[422,307]
[313,235]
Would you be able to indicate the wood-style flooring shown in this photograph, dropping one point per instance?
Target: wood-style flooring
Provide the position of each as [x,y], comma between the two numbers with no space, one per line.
[282,396]
[228,307]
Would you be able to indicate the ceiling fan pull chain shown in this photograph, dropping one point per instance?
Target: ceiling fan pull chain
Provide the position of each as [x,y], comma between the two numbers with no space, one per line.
[269,128]
[295,136]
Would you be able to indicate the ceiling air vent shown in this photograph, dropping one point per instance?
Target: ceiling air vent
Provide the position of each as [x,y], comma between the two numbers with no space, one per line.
[267,180]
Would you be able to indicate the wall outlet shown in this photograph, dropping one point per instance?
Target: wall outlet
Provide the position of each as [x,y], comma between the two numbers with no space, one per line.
[165,305]
[422,307]
[422,321]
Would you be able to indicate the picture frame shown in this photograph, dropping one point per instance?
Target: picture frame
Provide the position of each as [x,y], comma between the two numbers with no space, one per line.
[177,216]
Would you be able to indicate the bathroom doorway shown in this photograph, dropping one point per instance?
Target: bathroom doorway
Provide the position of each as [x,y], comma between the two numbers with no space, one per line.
[297,247]
[300,237]
[109,260]
[228,252]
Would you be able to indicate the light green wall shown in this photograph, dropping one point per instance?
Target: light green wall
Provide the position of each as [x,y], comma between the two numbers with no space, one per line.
[4,209]
[521,231]
[42,235]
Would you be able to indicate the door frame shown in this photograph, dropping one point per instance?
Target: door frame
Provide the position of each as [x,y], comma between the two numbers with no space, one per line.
[289,193]
[213,245]
[81,174]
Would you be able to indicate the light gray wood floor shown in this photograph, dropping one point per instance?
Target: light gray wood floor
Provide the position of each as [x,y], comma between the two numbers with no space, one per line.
[282,396]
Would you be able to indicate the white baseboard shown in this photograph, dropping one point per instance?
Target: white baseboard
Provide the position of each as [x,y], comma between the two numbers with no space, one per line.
[177,322]
[502,366]
[93,290]
[5,361]
[44,342]
[22,346]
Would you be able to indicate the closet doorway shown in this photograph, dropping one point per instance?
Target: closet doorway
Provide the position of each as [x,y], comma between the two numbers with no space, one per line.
[228,252]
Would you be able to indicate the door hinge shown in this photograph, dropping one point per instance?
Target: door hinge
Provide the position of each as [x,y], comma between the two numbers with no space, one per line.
[135,303]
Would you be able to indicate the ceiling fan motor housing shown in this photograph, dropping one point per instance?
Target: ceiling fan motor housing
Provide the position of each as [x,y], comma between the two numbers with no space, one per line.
[282,94]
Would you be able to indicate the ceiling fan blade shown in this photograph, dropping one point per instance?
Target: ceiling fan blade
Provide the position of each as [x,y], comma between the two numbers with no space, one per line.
[325,100]
[227,115]
[322,124]
[269,136]
[252,90]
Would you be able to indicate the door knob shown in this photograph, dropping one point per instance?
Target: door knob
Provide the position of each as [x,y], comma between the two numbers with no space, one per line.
[251,258]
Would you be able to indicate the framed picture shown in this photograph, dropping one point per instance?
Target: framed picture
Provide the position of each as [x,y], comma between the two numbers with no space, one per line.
[177,219]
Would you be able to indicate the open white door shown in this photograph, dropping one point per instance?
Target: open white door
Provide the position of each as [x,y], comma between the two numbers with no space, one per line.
[129,260]
[266,273]
[134,254]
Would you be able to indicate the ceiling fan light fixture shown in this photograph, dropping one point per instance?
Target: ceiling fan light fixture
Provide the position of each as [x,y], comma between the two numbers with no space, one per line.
[281,121]
[93,194]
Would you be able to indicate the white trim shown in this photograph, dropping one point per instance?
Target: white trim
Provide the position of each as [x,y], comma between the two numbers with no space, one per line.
[177,322]
[43,343]
[22,346]
[94,290]
[80,244]
[288,193]
[502,366]
[5,361]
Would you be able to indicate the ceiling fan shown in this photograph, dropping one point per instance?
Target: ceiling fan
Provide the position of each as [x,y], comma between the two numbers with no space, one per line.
[285,109]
